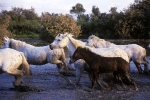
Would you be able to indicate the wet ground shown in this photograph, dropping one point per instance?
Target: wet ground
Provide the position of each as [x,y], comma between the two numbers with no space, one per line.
[49,85]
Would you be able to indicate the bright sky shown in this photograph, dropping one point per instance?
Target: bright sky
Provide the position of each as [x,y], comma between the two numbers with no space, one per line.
[64,6]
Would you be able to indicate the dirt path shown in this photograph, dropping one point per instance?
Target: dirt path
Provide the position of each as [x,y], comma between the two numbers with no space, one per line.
[53,87]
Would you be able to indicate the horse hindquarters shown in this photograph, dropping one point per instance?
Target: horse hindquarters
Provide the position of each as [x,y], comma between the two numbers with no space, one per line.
[124,71]
[139,57]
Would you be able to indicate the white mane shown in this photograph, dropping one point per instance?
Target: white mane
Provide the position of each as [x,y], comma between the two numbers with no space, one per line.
[16,44]
[97,42]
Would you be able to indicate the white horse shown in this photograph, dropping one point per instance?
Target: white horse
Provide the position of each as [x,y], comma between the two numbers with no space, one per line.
[66,40]
[37,55]
[135,52]
[14,63]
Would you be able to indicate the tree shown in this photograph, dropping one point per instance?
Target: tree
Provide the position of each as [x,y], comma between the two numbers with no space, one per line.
[78,9]
[135,23]
[53,24]
[113,10]
[4,23]
[23,21]
[95,11]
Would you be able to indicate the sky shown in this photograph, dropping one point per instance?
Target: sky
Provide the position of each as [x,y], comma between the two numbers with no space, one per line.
[64,6]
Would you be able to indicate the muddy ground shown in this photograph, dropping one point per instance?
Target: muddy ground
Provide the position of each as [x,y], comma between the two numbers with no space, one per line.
[50,85]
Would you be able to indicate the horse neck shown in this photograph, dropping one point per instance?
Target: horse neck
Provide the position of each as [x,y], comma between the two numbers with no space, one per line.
[105,44]
[71,48]
[73,44]
[76,43]
[86,55]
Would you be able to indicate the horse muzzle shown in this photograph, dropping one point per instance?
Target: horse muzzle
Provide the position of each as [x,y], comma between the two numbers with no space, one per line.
[50,46]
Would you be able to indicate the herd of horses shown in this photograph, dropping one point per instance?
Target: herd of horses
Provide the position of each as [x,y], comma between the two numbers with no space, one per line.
[95,56]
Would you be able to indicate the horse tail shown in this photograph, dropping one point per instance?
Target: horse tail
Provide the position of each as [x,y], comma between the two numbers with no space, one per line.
[26,66]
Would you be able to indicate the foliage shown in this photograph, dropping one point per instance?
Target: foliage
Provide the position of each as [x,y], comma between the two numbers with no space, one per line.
[135,23]
[53,24]
[4,23]
[78,9]
[23,21]
[132,22]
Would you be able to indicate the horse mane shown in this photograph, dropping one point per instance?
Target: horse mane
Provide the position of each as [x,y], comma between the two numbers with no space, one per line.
[99,40]
[87,49]
[76,43]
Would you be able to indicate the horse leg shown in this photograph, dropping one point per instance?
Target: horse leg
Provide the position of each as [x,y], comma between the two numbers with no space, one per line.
[93,80]
[16,77]
[18,80]
[146,70]
[64,62]
[60,68]
[93,83]
[60,62]
[97,80]
[79,72]
[115,76]
[131,81]
[145,62]
[138,67]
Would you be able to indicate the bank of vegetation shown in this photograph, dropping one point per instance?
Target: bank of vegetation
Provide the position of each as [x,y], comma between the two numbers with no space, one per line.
[130,23]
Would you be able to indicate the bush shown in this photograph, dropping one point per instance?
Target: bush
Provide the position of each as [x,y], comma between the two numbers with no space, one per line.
[53,24]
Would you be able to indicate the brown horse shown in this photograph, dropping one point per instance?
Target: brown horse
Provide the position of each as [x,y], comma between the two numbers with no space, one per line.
[99,64]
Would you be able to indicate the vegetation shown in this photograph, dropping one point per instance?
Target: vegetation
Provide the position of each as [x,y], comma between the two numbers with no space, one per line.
[53,24]
[132,22]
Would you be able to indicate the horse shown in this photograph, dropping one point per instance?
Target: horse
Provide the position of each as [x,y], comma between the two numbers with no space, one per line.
[136,53]
[66,40]
[37,55]
[99,64]
[14,63]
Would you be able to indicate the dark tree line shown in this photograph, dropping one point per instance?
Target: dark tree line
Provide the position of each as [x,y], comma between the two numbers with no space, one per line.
[132,22]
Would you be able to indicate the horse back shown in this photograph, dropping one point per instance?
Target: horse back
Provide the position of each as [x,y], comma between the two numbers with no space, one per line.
[110,64]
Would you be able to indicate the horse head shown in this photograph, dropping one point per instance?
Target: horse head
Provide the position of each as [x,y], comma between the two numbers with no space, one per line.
[60,41]
[94,41]
[6,43]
